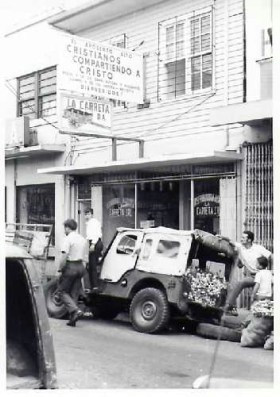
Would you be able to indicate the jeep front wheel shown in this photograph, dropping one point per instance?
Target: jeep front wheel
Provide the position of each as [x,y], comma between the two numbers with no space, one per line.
[149,310]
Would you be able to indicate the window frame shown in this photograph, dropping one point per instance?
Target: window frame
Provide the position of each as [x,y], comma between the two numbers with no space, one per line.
[37,96]
[115,41]
[162,91]
[200,54]
[20,189]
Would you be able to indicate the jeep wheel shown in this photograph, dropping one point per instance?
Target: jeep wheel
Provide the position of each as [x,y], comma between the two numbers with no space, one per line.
[54,305]
[149,310]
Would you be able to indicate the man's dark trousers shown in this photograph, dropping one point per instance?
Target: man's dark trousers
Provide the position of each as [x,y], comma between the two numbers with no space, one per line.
[93,262]
[70,284]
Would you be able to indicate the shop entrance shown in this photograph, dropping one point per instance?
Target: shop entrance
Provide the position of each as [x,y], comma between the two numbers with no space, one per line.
[82,206]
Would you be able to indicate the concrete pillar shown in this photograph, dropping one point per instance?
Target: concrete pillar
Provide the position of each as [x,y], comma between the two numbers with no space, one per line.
[11,191]
[96,202]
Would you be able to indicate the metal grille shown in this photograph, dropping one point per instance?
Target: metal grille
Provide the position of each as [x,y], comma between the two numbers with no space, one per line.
[259,192]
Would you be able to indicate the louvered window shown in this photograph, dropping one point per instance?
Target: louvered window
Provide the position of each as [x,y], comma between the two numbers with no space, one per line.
[37,94]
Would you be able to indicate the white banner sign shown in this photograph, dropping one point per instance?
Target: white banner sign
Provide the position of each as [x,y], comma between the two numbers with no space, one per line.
[84,114]
[98,69]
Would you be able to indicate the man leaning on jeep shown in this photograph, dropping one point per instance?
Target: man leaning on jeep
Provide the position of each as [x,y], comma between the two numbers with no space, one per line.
[248,253]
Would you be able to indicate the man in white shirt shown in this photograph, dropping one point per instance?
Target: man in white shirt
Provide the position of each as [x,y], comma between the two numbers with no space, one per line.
[248,254]
[72,268]
[94,236]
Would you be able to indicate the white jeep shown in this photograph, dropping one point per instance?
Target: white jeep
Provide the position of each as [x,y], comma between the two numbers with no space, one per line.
[147,273]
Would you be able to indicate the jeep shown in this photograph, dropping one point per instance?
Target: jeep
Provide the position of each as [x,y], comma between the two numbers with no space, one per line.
[146,272]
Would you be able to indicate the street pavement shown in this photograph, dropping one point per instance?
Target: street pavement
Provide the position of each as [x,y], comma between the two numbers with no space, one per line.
[111,355]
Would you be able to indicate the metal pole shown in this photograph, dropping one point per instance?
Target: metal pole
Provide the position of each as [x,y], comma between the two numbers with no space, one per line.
[192,204]
[135,205]
[114,149]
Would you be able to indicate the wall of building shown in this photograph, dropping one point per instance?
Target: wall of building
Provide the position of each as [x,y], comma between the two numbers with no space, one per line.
[258,17]
[24,173]
[186,119]
[32,49]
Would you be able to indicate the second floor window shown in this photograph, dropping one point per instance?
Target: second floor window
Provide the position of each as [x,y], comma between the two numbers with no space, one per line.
[185,55]
[201,52]
[37,94]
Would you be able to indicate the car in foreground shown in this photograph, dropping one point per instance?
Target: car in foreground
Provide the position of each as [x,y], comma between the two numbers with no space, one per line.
[30,355]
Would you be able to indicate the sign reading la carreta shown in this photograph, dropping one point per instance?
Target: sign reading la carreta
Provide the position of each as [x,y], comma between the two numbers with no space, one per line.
[97,69]
[84,114]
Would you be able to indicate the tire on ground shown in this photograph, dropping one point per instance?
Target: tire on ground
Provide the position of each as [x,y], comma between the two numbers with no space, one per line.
[231,322]
[55,307]
[218,332]
[149,310]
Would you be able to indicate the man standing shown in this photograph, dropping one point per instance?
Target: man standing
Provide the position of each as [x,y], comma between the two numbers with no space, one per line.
[94,235]
[248,254]
[72,268]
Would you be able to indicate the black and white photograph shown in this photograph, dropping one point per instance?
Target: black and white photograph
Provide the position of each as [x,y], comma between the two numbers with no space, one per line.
[138,195]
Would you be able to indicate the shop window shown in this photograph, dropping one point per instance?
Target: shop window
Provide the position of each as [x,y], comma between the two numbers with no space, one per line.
[118,209]
[185,54]
[158,204]
[127,244]
[36,205]
[168,249]
[207,205]
[37,94]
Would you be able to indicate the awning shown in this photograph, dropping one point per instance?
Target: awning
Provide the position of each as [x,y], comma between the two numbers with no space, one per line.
[97,12]
[32,151]
[145,163]
[250,113]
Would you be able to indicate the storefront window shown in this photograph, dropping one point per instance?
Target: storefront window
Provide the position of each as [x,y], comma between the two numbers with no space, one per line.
[36,205]
[207,205]
[158,204]
[118,209]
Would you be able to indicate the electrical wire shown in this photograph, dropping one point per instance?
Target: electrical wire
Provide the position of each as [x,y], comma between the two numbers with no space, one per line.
[155,136]
[150,133]
[26,105]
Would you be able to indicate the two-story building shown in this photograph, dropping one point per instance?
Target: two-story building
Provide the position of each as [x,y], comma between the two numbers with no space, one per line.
[32,139]
[194,169]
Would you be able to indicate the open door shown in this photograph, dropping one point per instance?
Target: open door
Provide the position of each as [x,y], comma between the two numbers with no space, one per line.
[122,255]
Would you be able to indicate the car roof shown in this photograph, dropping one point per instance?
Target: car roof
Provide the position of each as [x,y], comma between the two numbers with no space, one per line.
[14,251]
[159,230]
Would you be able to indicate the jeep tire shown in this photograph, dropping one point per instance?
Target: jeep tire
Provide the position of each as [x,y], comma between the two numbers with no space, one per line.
[55,307]
[149,310]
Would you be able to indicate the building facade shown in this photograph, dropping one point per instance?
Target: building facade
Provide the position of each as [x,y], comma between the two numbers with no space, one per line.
[32,139]
[197,165]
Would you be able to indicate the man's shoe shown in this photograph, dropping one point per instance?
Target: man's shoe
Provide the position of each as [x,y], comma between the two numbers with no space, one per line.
[231,311]
[74,317]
